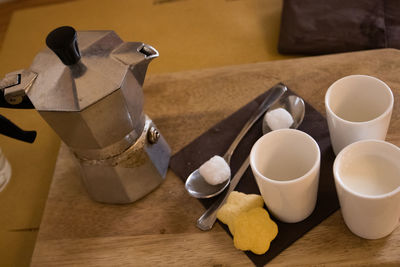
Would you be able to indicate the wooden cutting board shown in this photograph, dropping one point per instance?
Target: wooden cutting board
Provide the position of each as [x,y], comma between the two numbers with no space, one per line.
[160,228]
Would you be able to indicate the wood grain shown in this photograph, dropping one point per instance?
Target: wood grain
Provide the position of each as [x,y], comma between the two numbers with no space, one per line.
[160,228]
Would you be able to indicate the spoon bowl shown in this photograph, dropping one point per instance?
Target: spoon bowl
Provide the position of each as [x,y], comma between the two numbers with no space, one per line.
[292,104]
[196,180]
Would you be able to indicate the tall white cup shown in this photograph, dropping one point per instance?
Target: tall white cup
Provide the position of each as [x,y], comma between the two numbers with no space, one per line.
[358,107]
[367,179]
[285,164]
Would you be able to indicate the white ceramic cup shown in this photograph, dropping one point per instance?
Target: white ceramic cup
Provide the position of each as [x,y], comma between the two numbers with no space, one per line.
[358,107]
[367,179]
[285,164]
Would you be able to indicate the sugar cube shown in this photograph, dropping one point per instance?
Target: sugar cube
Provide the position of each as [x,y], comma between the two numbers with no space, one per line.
[215,170]
[279,119]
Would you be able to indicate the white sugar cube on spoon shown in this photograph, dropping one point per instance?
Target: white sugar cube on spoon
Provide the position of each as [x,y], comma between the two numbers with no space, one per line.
[215,170]
[278,119]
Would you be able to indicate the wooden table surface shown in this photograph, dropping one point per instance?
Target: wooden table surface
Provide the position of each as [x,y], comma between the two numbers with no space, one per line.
[160,228]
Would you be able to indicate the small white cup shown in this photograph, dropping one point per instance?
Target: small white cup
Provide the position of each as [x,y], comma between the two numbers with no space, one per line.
[367,179]
[358,107]
[285,164]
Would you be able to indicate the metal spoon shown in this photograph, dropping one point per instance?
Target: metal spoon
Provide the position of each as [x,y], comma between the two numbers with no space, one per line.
[295,106]
[196,184]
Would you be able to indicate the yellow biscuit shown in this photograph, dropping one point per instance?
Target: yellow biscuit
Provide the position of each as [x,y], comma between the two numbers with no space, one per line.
[236,203]
[254,230]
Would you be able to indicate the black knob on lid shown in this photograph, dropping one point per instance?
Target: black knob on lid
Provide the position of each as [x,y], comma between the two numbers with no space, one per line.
[63,42]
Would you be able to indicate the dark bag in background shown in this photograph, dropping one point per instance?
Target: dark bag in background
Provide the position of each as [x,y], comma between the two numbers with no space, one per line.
[330,26]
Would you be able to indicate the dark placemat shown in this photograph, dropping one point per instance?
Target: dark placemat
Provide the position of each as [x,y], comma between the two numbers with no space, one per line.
[332,26]
[216,141]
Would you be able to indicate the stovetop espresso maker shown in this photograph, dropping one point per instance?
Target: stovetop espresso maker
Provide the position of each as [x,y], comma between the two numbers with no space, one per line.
[92,97]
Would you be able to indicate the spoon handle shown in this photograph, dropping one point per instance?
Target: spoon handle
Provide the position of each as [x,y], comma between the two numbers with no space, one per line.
[274,94]
[207,220]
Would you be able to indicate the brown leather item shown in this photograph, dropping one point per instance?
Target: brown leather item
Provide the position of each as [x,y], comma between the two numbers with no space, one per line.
[331,26]
[217,139]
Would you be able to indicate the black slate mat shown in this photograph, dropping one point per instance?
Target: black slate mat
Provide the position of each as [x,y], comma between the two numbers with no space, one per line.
[216,141]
